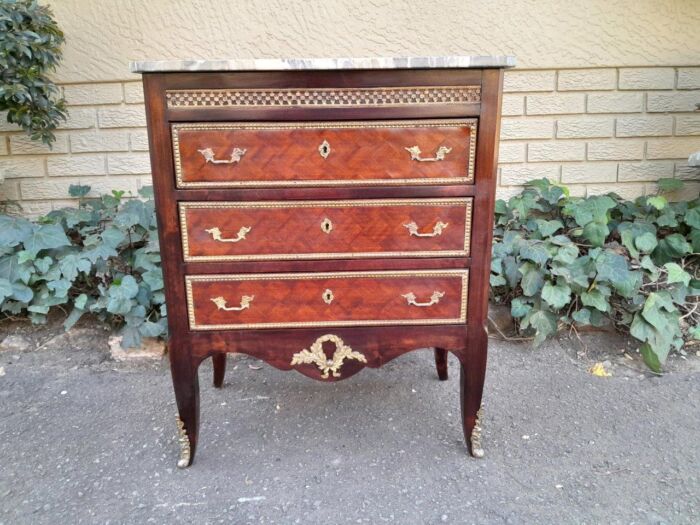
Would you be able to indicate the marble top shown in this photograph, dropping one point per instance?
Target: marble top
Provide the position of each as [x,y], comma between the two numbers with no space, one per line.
[283,64]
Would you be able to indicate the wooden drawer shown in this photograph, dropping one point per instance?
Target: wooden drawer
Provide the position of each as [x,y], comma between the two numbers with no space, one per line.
[239,231]
[217,302]
[324,153]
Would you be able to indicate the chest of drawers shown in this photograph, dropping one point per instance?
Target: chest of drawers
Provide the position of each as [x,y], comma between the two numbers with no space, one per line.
[325,216]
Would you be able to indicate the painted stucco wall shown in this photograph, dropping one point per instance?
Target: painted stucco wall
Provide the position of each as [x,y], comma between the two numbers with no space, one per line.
[603,97]
[105,34]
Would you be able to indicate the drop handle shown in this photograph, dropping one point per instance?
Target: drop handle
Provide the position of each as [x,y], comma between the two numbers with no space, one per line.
[218,236]
[434,299]
[412,228]
[416,153]
[210,156]
[220,303]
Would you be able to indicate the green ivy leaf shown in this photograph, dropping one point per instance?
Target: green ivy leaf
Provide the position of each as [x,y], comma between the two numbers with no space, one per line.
[519,307]
[676,274]
[692,218]
[78,190]
[653,357]
[113,236]
[544,323]
[547,228]
[14,230]
[592,209]
[533,279]
[43,264]
[582,316]
[22,293]
[127,287]
[73,318]
[612,267]
[671,247]
[5,289]
[678,244]
[510,267]
[595,233]
[81,301]
[60,287]
[45,237]
[150,329]
[497,280]
[669,185]
[131,337]
[501,208]
[667,219]
[695,239]
[646,242]
[535,251]
[557,296]
[522,204]
[657,202]
[71,264]
[100,251]
[595,299]
[154,279]
[566,254]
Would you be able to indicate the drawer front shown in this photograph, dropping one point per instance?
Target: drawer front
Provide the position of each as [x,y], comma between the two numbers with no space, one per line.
[324,153]
[238,231]
[217,302]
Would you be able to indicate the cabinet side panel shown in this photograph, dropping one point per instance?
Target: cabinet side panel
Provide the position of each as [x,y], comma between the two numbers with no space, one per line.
[166,209]
[484,199]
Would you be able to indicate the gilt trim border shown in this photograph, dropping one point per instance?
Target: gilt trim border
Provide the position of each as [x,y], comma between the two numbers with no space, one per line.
[463,274]
[466,201]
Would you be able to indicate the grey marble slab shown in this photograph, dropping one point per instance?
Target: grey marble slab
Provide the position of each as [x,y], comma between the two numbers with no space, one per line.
[285,64]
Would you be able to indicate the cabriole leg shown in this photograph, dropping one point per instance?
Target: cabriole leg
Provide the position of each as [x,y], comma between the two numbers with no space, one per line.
[471,385]
[441,363]
[219,361]
[186,385]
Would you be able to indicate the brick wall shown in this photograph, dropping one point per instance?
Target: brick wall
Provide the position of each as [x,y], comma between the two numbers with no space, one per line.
[595,130]
[600,130]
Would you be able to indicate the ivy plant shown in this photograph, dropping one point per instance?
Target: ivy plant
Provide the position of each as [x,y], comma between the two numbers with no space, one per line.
[564,261]
[101,257]
[30,48]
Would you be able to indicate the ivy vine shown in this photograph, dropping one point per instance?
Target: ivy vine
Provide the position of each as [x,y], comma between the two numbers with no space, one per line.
[564,261]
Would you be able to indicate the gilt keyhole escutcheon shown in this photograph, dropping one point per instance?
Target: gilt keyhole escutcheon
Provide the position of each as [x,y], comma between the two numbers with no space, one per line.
[326,225]
[324,149]
[327,296]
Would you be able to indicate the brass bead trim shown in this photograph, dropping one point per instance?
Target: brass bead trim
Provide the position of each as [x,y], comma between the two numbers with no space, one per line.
[468,179]
[321,97]
[463,274]
[465,252]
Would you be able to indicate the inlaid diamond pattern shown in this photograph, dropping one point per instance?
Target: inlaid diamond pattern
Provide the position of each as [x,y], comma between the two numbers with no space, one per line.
[323,97]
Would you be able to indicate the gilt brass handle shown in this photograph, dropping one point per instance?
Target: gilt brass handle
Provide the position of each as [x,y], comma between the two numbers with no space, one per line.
[220,303]
[439,154]
[437,229]
[210,157]
[316,356]
[216,234]
[434,299]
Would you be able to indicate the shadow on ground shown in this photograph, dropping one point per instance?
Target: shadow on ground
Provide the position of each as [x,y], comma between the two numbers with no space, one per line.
[87,440]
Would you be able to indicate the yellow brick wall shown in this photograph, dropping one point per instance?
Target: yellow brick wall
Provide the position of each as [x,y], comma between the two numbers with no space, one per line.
[602,99]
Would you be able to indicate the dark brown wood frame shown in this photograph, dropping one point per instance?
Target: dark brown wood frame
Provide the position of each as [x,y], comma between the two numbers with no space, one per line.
[379,344]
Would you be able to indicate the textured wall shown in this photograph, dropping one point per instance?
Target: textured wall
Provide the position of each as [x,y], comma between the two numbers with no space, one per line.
[593,128]
[103,35]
